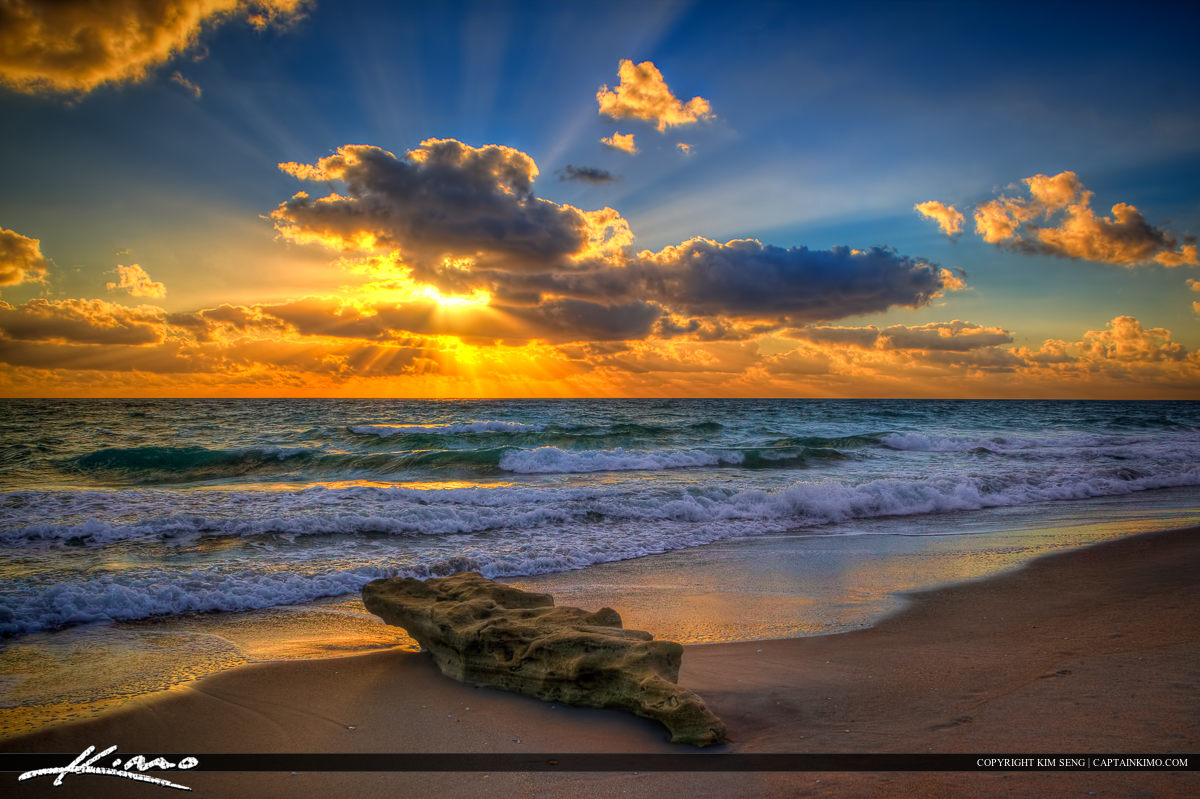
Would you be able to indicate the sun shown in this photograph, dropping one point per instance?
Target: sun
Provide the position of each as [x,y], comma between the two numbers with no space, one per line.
[476,298]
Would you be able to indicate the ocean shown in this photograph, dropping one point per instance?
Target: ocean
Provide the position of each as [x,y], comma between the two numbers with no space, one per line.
[179,537]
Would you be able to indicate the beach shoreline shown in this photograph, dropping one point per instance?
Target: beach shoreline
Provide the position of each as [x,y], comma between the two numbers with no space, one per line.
[1089,650]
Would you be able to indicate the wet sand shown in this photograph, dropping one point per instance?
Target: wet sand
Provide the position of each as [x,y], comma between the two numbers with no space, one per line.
[1092,650]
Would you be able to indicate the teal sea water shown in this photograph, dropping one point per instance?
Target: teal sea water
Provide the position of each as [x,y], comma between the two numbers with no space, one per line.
[115,510]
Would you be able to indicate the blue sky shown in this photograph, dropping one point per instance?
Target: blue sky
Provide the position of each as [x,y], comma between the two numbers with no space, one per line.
[830,123]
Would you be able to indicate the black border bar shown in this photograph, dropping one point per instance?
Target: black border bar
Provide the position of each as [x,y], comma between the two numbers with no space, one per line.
[578,762]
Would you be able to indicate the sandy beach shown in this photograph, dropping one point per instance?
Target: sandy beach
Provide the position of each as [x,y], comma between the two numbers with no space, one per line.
[1093,650]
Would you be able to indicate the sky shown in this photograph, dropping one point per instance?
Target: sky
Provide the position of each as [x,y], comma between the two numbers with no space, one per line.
[647,199]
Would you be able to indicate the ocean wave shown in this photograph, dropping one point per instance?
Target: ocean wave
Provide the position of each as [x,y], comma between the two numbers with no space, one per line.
[1069,445]
[552,460]
[160,465]
[535,536]
[855,441]
[151,461]
[183,465]
[124,598]
[99,518]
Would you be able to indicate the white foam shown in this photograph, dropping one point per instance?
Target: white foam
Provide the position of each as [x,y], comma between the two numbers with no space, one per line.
[123,597]
[499,532]
[453,428]
[98,518]
[1053,445]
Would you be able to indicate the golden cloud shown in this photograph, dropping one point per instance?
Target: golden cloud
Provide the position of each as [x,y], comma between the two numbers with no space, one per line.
[76,45]
[319,345]
[1125,238]
[80,321]
[947,217]
[952,281]
[621,141]
[1126,340]
[1055,192]
[1125,359]
[643,94]
[1057,219]
[955,336]
[998,221]
[134,279]
[177,77]
[21,259]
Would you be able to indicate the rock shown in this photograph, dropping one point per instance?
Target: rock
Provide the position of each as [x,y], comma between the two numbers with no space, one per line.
[485,633]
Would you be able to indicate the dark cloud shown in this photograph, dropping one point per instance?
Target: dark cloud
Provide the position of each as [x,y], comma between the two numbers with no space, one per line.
[587,174]
[568,319]
[711,328]
[745,278]
[444,200]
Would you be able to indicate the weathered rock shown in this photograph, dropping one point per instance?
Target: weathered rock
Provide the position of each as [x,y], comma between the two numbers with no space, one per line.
[485,633]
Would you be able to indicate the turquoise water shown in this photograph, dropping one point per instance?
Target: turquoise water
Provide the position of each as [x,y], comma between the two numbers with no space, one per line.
[124,510]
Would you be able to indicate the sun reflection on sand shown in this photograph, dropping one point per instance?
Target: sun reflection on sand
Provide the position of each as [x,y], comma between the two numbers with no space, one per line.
[784,586]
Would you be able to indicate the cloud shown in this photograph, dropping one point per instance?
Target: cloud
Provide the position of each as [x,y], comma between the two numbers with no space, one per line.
[799,362]
[177,77]
[1126,340]
[374,316]
[643,94]
[684,148]
[621,141]
[587,174]
[947,217]
[955,336]
[1194,285]
[448,207]
[952,280]
[134,279]
[464,220]
[75,46]
[553,319]
[1057,219]
[746,278]
[722,359]
[998,221]
[566,319]
[560,345]
[79,321]
[227,321]
[21,259]
[1124,352]
[1124,359]
[1055,192]
[326,316]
